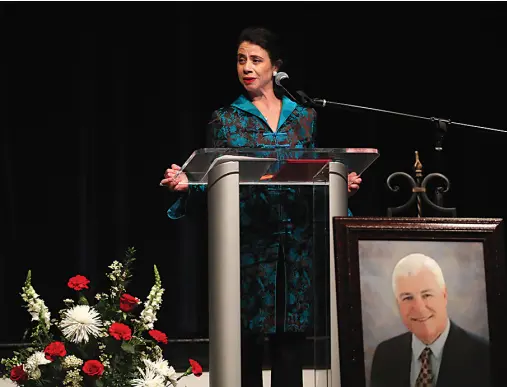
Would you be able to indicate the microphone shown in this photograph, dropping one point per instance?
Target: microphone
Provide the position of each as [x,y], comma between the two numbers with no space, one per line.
[282,80]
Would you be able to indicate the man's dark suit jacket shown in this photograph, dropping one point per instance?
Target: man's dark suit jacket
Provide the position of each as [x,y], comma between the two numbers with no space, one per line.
[464,363]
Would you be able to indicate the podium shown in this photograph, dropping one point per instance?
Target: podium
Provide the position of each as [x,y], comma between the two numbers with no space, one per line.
[223,171]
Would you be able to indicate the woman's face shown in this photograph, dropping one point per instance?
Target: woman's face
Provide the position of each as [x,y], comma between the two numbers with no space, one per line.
[255,70]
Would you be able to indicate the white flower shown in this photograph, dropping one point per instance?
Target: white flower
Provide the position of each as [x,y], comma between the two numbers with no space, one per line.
[71,361]
[149,314]
[80,322]
[32,364]
[73,378]
[36,359]
[38,310]
[35,374]
[161,367]
[149,379]
[6,382]
[116,266]
[36,307]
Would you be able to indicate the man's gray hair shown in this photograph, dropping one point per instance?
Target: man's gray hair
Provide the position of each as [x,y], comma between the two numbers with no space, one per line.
[412,264]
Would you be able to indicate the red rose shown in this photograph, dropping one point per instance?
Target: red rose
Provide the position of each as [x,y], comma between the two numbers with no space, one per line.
[78,282]
[18,374]
[196,367]
[120,331]
[54,350]
[158,336]
[93,368]
[128,302]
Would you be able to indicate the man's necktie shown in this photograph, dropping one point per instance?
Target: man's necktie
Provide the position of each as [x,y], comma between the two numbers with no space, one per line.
[425,377]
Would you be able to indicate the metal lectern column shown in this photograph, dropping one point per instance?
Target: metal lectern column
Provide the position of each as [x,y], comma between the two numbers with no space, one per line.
[224,276]
[338,205]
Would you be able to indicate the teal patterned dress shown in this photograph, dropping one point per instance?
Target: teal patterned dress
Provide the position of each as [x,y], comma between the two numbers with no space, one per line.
[276,221]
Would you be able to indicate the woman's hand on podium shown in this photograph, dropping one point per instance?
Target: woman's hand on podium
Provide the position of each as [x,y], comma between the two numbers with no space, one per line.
[354,180]
[174,179]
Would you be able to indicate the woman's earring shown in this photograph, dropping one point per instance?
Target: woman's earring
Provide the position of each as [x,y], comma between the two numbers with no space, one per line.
[274,73]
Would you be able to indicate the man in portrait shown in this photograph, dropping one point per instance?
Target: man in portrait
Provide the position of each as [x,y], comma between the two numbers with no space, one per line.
[435,352]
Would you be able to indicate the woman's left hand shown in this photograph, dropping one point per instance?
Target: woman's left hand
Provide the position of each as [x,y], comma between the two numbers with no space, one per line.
[354,180]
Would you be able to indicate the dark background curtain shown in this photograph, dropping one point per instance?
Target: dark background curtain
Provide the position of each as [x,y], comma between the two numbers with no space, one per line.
[97,99]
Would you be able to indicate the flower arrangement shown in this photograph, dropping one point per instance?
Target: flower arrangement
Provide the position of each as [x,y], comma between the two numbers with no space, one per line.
[102,341]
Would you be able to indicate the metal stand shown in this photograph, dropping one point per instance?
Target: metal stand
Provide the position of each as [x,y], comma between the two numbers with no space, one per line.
[338,204]
[224,276]
[419,189]
[419,195]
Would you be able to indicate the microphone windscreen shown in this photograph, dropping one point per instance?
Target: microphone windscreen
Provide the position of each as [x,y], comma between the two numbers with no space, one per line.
[279,77]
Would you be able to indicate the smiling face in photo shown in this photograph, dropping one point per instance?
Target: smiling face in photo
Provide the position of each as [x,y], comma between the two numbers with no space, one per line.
[422,304]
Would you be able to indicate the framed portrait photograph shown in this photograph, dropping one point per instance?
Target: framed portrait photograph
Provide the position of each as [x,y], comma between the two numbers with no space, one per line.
[421,301]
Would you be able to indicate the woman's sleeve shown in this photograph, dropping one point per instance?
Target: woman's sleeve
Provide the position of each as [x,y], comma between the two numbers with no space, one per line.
[314,129]
[195,195]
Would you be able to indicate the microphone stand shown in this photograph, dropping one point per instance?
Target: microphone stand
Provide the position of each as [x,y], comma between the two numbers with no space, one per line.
[419,184]
[440,123]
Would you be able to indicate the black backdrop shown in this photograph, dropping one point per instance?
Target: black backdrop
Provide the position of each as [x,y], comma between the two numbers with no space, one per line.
[97,99]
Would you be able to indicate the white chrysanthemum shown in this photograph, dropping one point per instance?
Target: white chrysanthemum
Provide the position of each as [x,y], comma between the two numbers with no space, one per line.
[161,367]
[149,378]
[32,364]
[6,382]
[80,322]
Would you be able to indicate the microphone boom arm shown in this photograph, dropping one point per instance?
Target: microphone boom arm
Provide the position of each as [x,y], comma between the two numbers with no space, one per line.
[441,129]
[441,123]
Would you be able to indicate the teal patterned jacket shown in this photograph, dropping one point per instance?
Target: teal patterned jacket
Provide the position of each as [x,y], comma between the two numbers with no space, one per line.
[276,222]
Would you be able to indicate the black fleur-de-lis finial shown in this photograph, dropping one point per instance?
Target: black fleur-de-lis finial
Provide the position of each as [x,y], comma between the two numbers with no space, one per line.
[419,195]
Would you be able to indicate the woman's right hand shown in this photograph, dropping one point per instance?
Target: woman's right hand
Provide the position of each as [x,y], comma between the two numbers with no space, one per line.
[179,183]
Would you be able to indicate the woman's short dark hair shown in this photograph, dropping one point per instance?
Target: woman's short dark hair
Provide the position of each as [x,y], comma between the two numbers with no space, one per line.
[266,39]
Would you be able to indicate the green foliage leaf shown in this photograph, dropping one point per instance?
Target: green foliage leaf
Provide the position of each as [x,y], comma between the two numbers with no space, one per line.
[82,300]
[127,347]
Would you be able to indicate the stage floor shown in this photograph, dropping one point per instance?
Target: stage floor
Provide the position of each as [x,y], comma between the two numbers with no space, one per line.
[311,378]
